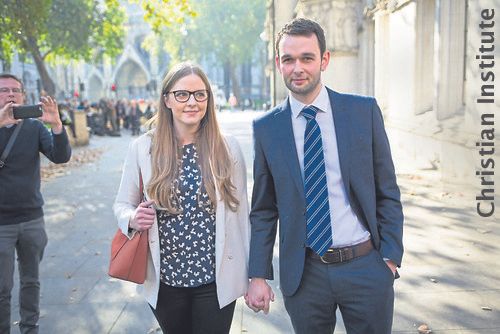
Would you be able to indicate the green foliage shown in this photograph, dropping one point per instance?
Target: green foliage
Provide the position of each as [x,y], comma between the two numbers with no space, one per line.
[71,29]
[163,13]
[226,31]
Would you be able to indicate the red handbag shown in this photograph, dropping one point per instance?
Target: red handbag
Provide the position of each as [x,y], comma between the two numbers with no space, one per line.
[129,256]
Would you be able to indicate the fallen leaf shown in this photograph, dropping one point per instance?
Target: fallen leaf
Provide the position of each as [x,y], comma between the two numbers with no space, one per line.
[424,329]
[80,157]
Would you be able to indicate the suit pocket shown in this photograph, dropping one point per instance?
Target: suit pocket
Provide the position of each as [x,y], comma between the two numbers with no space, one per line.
[384,266]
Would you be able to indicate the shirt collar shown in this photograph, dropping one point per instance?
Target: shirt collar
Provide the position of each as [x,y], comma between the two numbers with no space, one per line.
[322,102]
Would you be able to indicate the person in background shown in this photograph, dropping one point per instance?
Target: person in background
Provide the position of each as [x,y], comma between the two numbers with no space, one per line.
[195,208]
[135,115]
[22,227]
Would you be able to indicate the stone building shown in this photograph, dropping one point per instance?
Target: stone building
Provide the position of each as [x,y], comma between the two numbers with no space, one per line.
[418,58]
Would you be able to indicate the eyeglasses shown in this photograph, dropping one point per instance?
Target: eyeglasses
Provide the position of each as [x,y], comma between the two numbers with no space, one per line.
[5,90]
[184,95]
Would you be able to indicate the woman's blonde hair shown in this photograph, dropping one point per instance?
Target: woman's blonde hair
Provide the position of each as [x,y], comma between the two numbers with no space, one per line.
[214,157]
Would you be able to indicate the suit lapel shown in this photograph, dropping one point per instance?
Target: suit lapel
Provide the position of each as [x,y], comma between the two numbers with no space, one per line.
[342,120]
[286,143]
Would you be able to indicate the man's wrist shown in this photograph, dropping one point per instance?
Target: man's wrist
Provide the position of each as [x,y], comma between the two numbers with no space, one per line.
[57,128]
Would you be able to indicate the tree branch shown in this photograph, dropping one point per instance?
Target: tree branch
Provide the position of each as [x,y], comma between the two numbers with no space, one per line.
[46,54]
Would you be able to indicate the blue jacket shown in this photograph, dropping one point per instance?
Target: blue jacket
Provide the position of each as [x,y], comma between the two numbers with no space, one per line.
[278,194]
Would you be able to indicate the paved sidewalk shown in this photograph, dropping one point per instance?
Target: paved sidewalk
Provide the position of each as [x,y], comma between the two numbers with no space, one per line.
[449,278]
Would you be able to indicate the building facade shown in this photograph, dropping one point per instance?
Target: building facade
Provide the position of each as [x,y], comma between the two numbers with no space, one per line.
[419,58]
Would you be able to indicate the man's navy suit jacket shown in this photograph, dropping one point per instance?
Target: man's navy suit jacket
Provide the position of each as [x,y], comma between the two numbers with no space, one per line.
[278,192]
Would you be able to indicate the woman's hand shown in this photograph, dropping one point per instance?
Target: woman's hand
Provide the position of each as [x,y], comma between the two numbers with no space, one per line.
[144,217]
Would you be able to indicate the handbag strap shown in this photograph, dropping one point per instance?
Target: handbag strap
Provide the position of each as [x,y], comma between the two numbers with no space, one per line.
[10,143]
[141,186]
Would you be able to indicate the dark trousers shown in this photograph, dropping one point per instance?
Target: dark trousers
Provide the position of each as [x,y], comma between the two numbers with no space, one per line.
[361,288]
[28,240]
[192,310]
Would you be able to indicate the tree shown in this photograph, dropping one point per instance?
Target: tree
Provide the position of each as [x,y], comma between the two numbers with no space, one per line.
[225,32]
[165,13]
[70,29]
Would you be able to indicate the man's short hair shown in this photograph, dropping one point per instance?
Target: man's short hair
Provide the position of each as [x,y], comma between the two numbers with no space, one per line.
[302,27]
[11,76]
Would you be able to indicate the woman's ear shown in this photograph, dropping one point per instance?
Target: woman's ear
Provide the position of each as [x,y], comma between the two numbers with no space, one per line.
[166,101]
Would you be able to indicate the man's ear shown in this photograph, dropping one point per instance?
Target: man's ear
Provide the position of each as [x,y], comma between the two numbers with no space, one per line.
[277,60]
[325,60]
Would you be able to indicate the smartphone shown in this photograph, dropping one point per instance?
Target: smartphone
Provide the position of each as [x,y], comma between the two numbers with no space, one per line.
[28,111]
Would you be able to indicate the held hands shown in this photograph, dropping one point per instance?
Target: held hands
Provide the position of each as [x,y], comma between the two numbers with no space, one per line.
[143,217]
[51,114]
[259,295]
[6,117]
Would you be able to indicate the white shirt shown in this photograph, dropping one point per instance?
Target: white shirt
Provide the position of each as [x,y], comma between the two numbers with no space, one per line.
[347,230]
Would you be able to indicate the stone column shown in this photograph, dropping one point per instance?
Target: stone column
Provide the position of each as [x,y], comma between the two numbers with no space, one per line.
[424,57]
[367,56]
[450,86]
[382,59]
[282,12]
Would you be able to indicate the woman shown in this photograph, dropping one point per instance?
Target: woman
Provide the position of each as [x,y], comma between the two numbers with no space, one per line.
[195,209]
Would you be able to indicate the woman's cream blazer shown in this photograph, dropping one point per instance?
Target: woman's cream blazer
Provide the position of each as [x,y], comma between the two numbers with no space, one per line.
[232,235]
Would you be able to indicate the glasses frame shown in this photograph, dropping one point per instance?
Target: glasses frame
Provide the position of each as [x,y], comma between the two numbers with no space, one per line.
[190,93]
[8,90]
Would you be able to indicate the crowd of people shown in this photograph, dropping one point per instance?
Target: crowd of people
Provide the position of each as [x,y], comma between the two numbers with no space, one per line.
[110,116]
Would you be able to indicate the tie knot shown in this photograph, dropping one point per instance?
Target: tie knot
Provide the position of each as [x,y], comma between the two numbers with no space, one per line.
[309,112]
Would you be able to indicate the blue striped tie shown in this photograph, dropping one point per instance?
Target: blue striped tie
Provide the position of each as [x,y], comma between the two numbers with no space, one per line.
[319,229]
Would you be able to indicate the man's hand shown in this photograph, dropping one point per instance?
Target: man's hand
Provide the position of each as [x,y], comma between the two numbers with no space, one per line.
[391,266]
[6,117]
[51,114]
[259,295]
[144,217]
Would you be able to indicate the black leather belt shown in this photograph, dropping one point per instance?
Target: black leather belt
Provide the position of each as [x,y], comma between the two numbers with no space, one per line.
[344,254]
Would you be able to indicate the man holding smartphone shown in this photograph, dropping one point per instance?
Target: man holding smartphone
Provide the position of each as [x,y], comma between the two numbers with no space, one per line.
[22,227]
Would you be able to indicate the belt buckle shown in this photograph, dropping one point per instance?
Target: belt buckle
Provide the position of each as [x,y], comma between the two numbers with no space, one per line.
[344,255]
[328,251]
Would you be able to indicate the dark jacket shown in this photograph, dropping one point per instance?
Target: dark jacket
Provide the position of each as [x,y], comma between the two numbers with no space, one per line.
[20,196]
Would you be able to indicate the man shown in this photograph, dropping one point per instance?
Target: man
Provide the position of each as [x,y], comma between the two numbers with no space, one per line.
[22,228]
[323,168]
